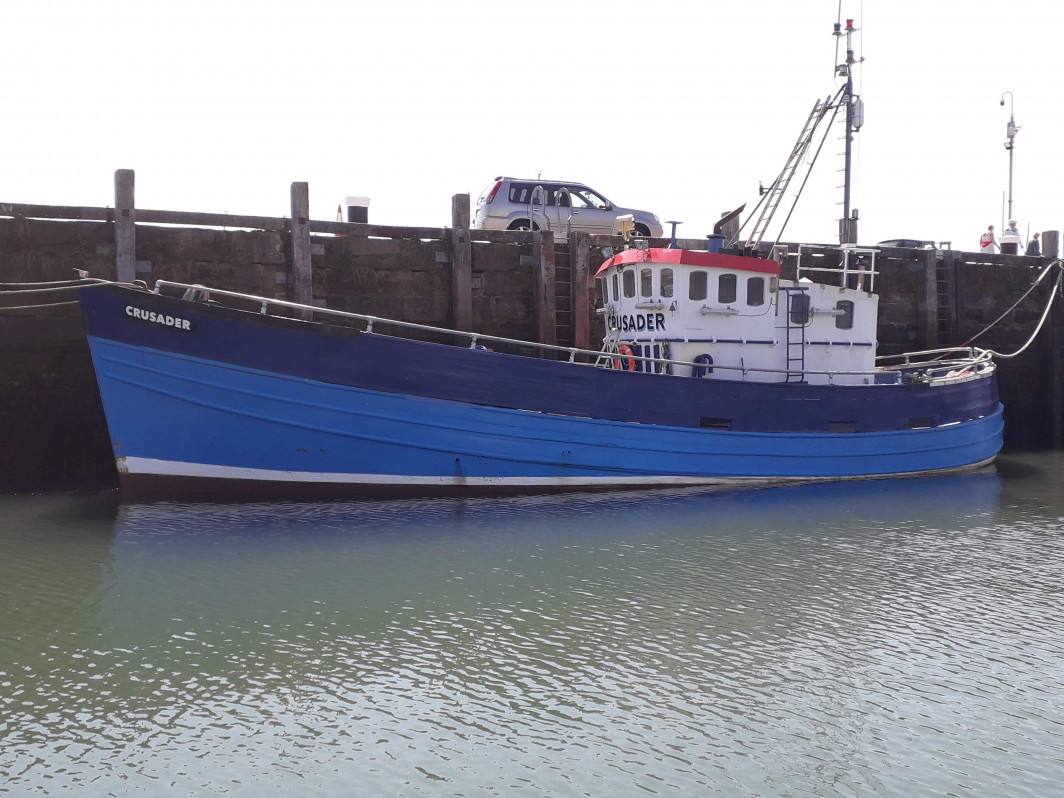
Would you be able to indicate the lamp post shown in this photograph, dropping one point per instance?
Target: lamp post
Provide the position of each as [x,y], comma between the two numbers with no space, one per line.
[1010,145]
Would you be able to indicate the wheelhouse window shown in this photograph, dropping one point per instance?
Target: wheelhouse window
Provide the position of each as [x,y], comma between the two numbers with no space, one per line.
[698,287]
[755,291]
[629,283]
[726,288]
[604,291]
[800,308]
[616,288]
[646,282]
[844,320]
[666,282]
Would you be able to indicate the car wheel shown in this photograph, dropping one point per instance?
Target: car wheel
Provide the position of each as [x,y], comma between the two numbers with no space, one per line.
[641,230]
[522,224]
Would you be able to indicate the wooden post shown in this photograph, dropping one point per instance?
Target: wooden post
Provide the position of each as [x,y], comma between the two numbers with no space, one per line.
[301,278]
[927,302]
[1051,244]
[579,263]
[959,313]
[125,227]
[543,299]
[461,264]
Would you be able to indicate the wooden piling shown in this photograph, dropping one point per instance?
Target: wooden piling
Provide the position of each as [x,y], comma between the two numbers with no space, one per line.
[927,301]
[125,227]
[301,278]
[461,264]
[543,299]
[579,266]
[1051,244]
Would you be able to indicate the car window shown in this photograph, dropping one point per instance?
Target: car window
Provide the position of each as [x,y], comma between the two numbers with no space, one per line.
[591,198]
[579,200]
[521,193]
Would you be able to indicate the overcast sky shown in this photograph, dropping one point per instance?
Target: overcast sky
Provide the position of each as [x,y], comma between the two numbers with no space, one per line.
[680,108]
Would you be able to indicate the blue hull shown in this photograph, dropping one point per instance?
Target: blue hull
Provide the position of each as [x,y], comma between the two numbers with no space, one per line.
[224,425]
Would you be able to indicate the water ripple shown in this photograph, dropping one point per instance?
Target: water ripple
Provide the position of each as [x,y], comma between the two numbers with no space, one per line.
[884,638]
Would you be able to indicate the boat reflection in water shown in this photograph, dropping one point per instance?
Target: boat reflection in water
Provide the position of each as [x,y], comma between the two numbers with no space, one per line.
[367,561]
[810,635]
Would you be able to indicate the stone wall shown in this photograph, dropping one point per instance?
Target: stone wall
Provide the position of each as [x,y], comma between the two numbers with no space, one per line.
[401,278]
[53,433]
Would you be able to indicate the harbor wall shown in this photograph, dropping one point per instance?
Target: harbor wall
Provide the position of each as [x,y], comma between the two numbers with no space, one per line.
[521,285]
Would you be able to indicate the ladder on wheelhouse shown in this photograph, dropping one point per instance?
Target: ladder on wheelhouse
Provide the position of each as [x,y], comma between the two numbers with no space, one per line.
[797,315]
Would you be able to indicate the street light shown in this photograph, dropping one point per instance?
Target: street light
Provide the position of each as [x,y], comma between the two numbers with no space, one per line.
[1010,145]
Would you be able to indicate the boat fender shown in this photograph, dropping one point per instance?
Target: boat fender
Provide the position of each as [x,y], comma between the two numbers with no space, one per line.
[624,363]
[703,366]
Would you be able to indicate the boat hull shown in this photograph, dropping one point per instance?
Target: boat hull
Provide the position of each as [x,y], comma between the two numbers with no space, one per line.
[221,403]
[185,424]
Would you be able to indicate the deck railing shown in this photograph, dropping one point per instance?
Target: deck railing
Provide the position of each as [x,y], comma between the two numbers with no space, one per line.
[857,267]
[977,362]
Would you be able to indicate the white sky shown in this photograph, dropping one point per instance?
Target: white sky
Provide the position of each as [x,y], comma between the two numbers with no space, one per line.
[675,107]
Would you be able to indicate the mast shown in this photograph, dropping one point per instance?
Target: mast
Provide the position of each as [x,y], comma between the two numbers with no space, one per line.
[848,223]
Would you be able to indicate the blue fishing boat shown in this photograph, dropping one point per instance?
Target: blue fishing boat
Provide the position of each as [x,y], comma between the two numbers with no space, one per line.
[714,369]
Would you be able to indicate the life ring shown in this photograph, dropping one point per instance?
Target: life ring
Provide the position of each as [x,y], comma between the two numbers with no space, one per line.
[619,362]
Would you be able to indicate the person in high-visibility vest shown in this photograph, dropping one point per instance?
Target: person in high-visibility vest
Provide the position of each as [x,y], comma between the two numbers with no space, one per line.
[987,242]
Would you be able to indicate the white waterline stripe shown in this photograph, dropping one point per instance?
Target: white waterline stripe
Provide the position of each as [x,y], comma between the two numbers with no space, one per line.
[154,467]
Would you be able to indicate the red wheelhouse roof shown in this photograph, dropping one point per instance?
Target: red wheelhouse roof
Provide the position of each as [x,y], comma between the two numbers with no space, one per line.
[690,257]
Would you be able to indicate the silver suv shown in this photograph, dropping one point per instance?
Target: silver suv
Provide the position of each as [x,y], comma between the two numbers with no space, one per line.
[509,203]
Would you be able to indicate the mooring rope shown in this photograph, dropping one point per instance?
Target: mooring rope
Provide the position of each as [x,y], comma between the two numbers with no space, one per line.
[51,289]
[1041,321]
[36,307]
[13,287]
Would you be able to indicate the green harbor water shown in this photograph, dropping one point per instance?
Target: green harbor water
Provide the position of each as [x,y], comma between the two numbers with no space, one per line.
[887,638]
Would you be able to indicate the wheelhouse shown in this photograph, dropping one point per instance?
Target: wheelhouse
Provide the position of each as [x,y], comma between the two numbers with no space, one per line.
[733,317]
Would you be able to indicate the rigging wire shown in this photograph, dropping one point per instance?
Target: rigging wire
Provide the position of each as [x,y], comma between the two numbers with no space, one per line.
[739,232]
[809,171]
